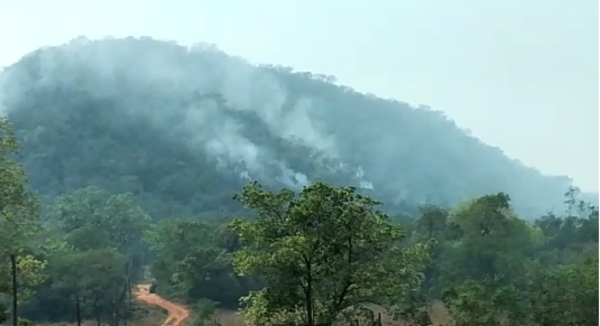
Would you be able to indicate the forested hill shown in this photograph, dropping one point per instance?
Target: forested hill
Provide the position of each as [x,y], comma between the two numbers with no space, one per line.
[184,128]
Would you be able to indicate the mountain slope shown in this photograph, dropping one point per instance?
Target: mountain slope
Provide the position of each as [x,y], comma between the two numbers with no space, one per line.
[185,127]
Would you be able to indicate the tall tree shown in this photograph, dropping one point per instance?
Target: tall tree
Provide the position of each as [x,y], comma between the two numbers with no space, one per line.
[19,209]
[324,254]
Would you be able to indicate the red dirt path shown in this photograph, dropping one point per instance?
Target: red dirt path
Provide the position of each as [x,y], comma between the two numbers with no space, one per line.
[176,312]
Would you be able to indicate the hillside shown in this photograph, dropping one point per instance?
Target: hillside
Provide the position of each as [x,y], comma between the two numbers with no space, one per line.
[184,128]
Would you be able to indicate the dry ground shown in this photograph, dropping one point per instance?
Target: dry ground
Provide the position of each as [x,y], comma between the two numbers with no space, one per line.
[154,316]
[439,316]
[145,316]
[176,313]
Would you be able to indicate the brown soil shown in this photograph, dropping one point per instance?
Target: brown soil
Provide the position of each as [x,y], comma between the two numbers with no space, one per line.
[176,312]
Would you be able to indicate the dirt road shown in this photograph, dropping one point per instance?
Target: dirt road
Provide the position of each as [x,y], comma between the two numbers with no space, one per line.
[176,312]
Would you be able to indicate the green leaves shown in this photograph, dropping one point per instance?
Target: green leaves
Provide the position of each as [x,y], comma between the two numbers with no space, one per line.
[19,210]
[492,241]
[97,216]
[567,296]
[192,261]
[486,302]
[324,251]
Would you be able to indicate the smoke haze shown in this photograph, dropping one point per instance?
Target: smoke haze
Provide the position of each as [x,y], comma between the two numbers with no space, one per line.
[223,107]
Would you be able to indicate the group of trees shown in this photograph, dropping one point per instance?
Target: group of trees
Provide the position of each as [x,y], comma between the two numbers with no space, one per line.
[327,253]
[312,258]
[135,147]
[94,253]
[83,255]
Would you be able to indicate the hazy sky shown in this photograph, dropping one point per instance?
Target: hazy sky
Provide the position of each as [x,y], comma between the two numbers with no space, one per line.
[520,74]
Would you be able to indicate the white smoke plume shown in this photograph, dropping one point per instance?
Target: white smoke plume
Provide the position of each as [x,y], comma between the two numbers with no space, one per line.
[105,68]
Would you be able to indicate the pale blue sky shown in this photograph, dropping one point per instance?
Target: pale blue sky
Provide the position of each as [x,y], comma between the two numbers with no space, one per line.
[520,74]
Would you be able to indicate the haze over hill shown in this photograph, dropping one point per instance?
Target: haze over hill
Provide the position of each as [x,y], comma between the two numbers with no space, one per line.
[186,126]
[135,146]
[463,57]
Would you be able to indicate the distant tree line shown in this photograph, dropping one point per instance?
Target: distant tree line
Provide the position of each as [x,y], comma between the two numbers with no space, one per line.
[317,257]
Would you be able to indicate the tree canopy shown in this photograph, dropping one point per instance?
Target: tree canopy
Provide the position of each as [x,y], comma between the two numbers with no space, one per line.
[119,160]
[324,254]
[185,127]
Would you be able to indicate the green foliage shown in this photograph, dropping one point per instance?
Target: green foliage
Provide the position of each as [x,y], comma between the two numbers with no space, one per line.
[412,307]
[493,242]
[317,257]
[113,163]
[198,264]
[567,296]
[204,313]
[94,218]
[322,253]
[18,220]
[95,253]
[486,302]
[3,313]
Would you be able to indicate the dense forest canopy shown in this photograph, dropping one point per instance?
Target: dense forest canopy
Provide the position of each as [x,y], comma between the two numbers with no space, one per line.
[128,162]
[184,127]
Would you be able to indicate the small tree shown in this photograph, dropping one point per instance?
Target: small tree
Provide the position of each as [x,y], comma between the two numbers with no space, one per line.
[204,313]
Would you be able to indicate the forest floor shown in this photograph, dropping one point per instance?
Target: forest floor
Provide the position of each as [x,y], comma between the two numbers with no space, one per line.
[178,313]
[439,316]
[148,316]
[161,312]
